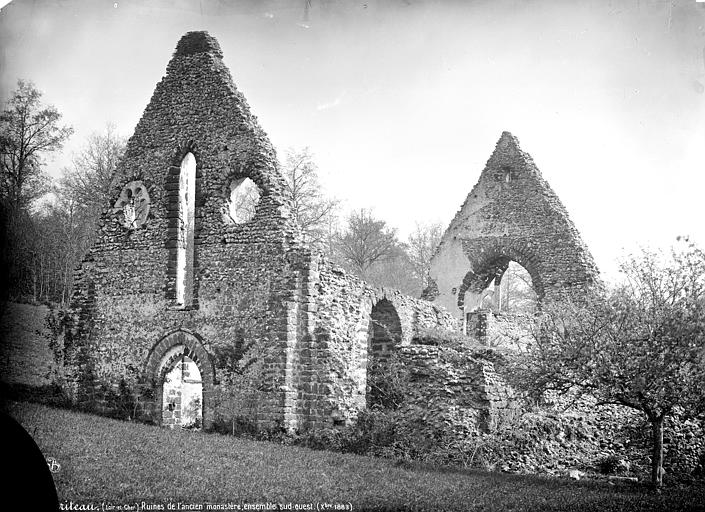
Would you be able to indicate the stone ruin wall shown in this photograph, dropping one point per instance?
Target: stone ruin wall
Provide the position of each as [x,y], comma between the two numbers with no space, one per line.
[125,296]
[511,214]
[334,357]
[257,291]
[468,393]
[256,288]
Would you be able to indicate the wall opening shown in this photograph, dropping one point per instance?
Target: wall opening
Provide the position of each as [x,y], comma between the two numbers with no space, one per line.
[133,205]
[182,390]
[243,197]
[181,368]
[516,291]
[507,288]
[506,174]
[185,233]
[384,335]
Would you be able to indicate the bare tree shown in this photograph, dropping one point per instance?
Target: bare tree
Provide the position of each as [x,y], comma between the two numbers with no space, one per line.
[311,208]
[365,241]
[517,291]
[90,180]
[395,271]
[421,246]
[28,130]
[61,243]
[65,227]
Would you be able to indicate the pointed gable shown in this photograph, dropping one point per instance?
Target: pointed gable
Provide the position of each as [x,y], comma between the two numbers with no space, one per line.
[511,214]
[197,105]
[196,115]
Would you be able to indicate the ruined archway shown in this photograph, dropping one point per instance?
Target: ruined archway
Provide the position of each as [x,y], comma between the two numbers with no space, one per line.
[183,376]
[511,214]
[384,336]
[182,389]
[493,270]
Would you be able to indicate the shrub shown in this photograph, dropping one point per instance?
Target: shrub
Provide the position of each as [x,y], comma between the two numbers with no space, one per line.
[612,464]
[547,439]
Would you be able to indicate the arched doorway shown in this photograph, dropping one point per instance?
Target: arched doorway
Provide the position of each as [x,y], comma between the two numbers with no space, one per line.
[183,378]
[384,335]
[182,390]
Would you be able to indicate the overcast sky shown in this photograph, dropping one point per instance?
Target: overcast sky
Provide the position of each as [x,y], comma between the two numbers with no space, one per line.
[402,101]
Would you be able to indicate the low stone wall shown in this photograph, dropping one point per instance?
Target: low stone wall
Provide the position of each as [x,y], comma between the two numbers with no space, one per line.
[458,390]
[499,330]
[337,321]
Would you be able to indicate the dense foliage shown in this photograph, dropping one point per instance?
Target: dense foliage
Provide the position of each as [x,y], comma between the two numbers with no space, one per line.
[641,346]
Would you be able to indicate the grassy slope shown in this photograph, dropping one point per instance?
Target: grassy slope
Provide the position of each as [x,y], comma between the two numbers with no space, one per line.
[118,462]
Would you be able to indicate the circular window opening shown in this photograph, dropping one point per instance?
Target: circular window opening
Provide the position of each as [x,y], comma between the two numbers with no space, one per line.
[133,205]
[244,195]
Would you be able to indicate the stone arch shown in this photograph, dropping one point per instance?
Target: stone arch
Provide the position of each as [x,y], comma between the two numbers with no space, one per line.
[385,330]
[512,213]
[244,168]
[490,263]
[182,149]
[402,308]
[165,354]
[384,338]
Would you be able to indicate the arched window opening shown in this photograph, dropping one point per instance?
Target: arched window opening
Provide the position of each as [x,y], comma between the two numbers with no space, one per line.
[243,197]
[505,288]
[185,233]
[384,335]
[182,390]
[516,291]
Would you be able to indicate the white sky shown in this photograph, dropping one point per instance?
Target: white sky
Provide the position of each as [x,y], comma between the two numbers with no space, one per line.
[402,101]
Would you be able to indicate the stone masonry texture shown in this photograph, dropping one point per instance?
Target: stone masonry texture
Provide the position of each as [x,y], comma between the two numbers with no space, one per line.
[256,291]
[511,214]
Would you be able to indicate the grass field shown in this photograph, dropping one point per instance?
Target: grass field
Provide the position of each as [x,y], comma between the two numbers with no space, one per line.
[113,462]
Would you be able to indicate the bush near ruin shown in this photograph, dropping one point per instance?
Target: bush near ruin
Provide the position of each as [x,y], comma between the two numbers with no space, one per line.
[548,439]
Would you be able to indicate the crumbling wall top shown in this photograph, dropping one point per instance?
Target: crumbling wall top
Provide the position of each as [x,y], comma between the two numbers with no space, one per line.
[198,42]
